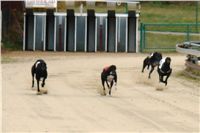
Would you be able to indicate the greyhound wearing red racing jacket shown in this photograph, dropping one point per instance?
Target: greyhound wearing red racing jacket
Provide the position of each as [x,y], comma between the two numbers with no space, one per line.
[109,75]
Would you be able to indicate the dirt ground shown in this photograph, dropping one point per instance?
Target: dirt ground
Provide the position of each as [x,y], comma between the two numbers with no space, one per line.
[74,102]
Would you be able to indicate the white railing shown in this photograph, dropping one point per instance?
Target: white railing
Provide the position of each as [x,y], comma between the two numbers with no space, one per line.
[188,48]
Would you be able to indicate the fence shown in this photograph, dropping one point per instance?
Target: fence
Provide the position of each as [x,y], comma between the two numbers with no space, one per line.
[164,37]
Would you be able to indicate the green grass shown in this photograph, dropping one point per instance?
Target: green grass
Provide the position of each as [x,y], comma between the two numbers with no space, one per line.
[172,13]
[178,12]
[187,28]
[172,18]
[194,38]
[156,40]
[164,42]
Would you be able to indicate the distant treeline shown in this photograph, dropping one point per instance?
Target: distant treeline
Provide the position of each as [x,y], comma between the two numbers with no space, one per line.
[12,23]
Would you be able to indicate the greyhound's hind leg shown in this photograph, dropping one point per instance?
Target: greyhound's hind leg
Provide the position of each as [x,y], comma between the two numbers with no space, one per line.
[145,63]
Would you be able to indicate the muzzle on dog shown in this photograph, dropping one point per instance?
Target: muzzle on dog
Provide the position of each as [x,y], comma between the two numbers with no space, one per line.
[110,78]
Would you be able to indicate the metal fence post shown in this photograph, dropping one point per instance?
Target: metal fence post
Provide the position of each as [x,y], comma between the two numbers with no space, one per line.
[141,37]
[188,32]
[197,30]
[126,6]
[144,36]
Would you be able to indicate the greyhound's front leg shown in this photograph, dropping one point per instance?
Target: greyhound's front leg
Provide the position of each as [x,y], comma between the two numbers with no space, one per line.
[33,74]
[32,81]
[152,68]
[167,77]
[107,84]
[38,85]
[104,93]
[43,82]
[144,65]
[111,84]
[160,78]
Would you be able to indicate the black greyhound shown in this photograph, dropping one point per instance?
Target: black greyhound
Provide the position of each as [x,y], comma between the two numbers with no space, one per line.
[152,61]
[164,69]
[39,69]
[109,75]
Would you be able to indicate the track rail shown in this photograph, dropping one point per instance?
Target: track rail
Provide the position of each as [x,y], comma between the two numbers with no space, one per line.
[190,48]
[192,65]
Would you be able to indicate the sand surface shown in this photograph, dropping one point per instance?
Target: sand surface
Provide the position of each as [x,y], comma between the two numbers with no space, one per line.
[74,102]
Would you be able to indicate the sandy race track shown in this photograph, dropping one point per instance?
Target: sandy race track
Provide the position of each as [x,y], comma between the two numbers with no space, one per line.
[74,102]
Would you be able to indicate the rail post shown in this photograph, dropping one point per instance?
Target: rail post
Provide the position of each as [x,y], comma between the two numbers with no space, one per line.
[197,6]
[144,36]
[188,32]
[141,37]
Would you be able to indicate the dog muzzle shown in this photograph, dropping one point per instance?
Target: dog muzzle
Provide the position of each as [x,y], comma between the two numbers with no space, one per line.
[110,78]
